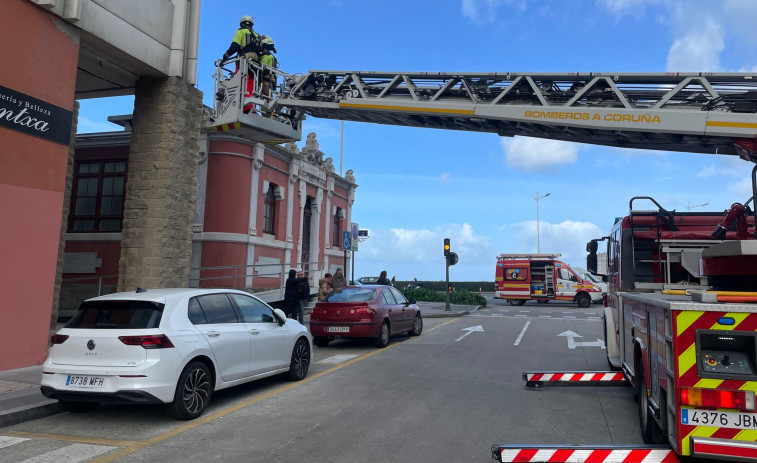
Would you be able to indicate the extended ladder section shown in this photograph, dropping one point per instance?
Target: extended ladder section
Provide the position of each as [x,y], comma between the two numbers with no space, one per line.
[694,112]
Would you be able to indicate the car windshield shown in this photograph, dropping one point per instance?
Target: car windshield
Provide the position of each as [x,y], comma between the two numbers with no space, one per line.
[591,277]
[117,314]
[352,295]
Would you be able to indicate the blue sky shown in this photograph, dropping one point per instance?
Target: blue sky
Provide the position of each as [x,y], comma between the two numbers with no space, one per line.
[418,186]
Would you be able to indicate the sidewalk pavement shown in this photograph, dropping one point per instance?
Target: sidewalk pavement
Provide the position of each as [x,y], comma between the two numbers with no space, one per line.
[21,399]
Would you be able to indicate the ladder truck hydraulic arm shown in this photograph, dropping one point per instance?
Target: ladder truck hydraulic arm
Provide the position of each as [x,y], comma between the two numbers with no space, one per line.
[688,112]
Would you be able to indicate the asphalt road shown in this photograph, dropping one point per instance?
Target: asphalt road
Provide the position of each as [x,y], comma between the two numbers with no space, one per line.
[447,395]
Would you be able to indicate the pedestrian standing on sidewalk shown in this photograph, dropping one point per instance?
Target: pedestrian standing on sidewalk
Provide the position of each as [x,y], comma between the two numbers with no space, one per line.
[324,289]
[290,292]
[303,293]
[382,279]
[338,281]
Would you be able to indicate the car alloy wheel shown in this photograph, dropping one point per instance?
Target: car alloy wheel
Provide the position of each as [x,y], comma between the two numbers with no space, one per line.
[192,392]
[298,368]
[383,338]
[417,326]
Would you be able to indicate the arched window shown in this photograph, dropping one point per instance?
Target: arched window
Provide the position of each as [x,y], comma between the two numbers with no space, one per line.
[335,232]
[269,212]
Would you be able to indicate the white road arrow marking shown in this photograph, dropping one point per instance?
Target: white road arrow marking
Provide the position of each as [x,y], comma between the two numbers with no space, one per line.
[470,330]
[572,344]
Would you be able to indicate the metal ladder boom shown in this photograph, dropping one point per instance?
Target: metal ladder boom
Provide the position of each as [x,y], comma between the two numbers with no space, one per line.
[691,112]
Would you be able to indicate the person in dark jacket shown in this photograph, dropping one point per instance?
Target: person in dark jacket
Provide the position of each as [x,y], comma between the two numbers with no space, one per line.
[303,293]
[291,292]
[383,280]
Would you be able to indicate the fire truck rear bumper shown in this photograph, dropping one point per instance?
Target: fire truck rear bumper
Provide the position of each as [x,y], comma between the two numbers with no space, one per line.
[731,450]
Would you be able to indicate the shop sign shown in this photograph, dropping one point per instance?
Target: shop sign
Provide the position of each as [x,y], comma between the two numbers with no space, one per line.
[34,117]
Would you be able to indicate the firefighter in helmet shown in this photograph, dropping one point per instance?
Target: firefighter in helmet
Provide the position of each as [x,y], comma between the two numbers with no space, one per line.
[268,48]
[246,42]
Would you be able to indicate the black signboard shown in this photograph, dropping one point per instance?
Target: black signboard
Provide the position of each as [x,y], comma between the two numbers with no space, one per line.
[34,117]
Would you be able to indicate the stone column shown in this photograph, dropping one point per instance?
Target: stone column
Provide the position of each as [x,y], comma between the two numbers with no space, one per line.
[64,219]
[257,196]
[156,244]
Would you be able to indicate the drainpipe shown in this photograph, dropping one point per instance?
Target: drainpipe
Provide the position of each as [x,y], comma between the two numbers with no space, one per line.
[193,39]
[178,38]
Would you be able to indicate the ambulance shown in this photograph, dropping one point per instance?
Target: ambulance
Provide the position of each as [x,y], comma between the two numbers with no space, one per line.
[541,277]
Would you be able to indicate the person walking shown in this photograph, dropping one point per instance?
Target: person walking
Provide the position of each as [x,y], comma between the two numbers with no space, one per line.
[383,280]
[303,293]
[338,280]
[290,292]
[246,42]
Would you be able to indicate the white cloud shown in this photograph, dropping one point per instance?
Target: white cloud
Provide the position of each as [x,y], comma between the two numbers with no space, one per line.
[741,188]
[699,49]
[418,253]
[482,11]
[535,154]
[567,238]
[445,177]
[626,6]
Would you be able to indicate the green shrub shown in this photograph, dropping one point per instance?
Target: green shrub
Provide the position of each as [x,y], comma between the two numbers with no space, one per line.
[472,286]
[461,296]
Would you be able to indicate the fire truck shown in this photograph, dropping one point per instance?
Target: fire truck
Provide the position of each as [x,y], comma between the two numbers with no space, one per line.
[543,278]
[681,325]
[680,321]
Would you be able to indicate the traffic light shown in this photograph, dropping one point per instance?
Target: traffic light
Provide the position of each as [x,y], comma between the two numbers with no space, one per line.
[446,247]
[449,288]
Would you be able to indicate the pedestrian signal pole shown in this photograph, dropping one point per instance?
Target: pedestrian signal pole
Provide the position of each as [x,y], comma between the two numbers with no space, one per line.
[446,267]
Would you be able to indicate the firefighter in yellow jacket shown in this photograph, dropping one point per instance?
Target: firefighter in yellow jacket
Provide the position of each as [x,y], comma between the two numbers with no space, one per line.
[246,42]
[268,48]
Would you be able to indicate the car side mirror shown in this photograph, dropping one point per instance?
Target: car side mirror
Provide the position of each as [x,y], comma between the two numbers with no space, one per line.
[409,302]
[280,316]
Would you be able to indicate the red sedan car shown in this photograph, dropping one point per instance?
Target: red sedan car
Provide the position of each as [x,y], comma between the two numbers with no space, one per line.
[368,311]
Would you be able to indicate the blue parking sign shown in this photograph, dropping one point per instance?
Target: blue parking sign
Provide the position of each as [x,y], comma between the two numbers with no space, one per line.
[346,240]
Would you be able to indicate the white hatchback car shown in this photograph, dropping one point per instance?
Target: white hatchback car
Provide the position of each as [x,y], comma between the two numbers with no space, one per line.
[170,346]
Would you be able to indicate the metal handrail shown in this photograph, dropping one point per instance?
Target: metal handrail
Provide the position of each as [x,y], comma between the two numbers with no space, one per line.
[237,271]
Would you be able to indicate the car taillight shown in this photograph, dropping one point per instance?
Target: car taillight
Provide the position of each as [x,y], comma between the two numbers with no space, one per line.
[58,339]
[160,341]
[714,399]
[363,311]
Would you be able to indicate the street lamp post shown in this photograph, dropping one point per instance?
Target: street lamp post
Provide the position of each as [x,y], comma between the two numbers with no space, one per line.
[537,198]
[689,206]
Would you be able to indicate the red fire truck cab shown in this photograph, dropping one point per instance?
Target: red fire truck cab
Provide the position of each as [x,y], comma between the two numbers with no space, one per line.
[543,278]
[681,323]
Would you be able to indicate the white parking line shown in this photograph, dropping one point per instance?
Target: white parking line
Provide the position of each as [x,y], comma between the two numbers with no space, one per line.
[568,317]
[341,358]
[7,441]
[521,315]
[71,454]
[522,332]
[545,316]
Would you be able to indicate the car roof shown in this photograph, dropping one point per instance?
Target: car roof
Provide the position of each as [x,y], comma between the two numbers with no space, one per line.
[159,294]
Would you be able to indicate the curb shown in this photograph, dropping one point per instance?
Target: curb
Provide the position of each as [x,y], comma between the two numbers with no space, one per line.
[30,412]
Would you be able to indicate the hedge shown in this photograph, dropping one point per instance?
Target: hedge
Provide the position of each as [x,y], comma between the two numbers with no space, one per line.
[458,296]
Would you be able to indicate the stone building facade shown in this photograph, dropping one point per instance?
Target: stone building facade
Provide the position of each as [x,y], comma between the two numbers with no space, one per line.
[259,211]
